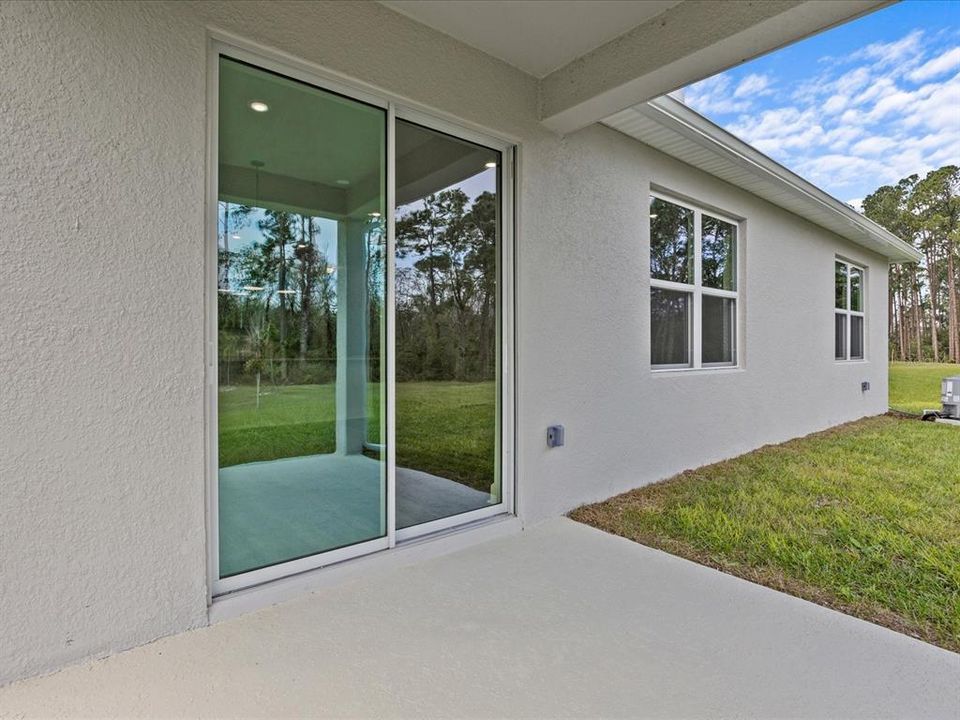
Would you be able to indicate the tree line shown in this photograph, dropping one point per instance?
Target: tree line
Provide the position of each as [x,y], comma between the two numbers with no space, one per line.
[924,297]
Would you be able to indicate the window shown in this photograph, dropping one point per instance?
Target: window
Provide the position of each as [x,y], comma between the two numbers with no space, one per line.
[848,319]
[693,287]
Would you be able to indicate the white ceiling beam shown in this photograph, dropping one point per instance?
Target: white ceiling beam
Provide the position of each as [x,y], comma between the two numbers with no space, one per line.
[689,42]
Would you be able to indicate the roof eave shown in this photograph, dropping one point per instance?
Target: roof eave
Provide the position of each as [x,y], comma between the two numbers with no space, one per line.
[698,129]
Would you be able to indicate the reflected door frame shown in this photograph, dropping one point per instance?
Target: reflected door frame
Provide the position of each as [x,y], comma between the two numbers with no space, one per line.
[222,44]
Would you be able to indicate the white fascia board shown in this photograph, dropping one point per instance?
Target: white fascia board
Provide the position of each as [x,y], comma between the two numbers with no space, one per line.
[702,132]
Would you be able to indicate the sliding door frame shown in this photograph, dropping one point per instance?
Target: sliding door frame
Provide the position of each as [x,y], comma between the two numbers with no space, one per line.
[222,44]
[505,412]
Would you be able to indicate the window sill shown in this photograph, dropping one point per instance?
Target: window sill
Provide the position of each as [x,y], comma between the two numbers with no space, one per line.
[718,370]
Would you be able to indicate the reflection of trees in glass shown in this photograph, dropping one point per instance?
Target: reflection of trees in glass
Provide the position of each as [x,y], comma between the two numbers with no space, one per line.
[840,281]
[446,296]
[671,241]
[278,303]
[231,218]
[374,237]
[718,260]
[669,327]
[277,228]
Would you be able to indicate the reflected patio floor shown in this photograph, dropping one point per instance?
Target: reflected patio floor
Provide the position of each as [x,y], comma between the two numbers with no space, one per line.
[284,509]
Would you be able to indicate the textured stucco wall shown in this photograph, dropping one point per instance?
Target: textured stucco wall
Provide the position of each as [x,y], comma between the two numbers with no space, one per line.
[585,342]
[102,542]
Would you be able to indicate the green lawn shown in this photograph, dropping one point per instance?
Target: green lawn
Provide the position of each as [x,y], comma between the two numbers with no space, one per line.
[864,518]
[445,428]
[915,387]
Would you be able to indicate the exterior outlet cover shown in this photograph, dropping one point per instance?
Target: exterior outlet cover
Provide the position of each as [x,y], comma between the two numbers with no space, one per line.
[864,386]
[555,436]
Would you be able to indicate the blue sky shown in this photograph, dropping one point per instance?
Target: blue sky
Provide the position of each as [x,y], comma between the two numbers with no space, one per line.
[853,108]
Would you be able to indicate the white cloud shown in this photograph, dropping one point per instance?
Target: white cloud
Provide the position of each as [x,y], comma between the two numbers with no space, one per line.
[753,84]
[839,138]
[889,53]
[713,96]
[936,105]
[937,66]
[850,82]
[873,145]
[835,103]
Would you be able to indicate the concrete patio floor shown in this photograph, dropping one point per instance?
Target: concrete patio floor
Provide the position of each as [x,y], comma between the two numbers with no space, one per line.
[559,621]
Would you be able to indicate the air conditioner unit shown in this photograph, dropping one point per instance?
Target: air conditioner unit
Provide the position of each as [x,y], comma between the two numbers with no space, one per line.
[949,411]
[950,397]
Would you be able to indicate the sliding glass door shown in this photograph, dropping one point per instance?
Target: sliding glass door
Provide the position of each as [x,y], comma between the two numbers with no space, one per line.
[447,230]
[319,271]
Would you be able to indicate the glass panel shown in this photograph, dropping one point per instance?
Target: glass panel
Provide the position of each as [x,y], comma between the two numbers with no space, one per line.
[856,289]
[448,208]
[669,327]
[300,319]
[856,337]
[671,241]
[840,336]
[719,261]
[719,330]
[840,282]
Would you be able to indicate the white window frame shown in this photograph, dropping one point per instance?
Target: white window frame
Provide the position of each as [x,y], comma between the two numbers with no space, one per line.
[223,44]
[697,290]
[849,313]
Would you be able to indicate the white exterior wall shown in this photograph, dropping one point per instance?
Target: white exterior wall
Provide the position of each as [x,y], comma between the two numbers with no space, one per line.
[102,540]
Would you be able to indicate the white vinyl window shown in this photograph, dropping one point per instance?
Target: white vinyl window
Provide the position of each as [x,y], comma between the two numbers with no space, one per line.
[848,316]
[693,287]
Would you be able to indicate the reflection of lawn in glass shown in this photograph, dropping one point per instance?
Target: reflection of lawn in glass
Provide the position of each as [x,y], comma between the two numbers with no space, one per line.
[443,428]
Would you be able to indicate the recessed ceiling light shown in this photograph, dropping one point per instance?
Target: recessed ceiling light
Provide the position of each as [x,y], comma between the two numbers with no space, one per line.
[490,165]
[343,182]
[252,288]
[258,106]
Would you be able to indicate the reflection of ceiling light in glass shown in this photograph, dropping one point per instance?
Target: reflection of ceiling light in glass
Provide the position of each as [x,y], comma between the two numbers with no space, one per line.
[490,165]
[652,215]
[235,236]
[301,245]
[343,182]
[253,288]
[374,214]
[331,269]
[286,292]
[258,106]
[223,290]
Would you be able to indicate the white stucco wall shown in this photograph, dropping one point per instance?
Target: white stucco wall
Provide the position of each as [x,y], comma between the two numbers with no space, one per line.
[102,541]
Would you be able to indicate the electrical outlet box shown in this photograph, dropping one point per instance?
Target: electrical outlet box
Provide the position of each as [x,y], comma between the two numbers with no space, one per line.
[555,436]
[864,386]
